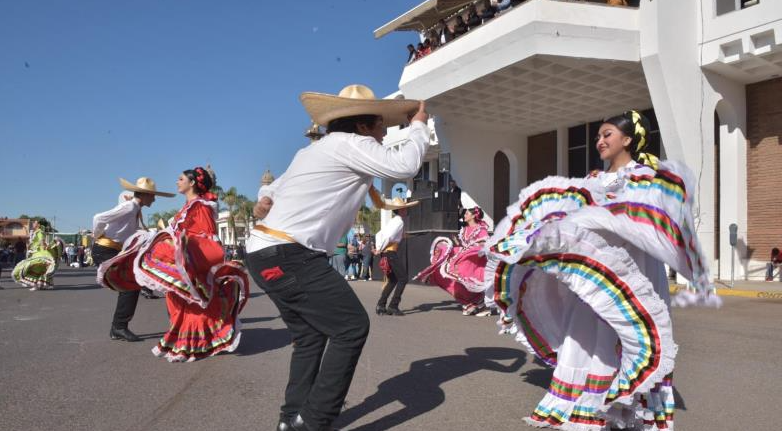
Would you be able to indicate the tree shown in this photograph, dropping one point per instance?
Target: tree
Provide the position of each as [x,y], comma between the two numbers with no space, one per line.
[369,218]
[45,224]
[153,218]
[230,198]
[245,212]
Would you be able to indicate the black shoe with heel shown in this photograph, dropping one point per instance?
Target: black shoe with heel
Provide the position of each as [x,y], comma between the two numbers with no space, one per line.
[123,334]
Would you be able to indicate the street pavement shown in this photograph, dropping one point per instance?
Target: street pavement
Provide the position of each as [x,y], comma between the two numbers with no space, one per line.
[432,369]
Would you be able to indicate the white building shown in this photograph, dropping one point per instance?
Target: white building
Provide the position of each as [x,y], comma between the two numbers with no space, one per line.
[520,97]
[224,230]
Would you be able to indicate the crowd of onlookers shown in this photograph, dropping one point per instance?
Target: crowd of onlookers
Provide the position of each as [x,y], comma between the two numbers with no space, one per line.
[467,19]
[353,256]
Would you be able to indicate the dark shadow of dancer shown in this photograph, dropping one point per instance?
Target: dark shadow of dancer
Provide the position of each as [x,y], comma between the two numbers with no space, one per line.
[259,340]
[540,377]
[447,305]
[419,388]
[257,319]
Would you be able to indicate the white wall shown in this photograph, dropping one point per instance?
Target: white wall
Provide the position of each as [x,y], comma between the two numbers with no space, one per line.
[472,160]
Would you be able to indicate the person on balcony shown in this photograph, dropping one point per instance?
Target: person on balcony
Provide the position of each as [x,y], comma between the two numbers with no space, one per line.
[446,34]
[502,5]
[460,27]
[473,20]
[488,12]
[411,53]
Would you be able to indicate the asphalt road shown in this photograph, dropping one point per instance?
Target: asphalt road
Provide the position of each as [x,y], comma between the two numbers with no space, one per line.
[432,369]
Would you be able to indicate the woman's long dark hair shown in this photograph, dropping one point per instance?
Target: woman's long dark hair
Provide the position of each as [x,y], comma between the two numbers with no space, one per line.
[636,126]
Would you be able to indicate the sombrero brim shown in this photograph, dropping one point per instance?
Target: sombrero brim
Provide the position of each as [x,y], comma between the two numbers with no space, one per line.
[326,107]
[391,206]
[127,185]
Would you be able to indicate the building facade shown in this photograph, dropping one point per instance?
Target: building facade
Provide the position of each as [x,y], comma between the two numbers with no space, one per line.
[520,97]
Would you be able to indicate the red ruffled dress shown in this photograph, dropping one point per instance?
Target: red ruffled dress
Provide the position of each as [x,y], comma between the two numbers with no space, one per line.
[458,269]
[204,294]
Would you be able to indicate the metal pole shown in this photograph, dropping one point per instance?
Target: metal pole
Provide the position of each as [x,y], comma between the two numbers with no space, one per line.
[732,265]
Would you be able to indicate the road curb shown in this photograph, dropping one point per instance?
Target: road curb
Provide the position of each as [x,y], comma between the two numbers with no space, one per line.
[757,294]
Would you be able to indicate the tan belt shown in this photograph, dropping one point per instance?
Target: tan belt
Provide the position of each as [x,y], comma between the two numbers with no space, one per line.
[275,233]
[105,242]
[392,246]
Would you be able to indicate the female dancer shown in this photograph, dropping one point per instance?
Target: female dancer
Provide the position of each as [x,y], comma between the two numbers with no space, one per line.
[204,294]
[37,271]
[458,269]
[578,263]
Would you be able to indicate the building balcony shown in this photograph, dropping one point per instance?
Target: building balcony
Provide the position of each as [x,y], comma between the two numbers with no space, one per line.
[743,43]
[534,28]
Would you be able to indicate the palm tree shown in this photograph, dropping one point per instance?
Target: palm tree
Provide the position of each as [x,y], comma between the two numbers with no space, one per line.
[230,198]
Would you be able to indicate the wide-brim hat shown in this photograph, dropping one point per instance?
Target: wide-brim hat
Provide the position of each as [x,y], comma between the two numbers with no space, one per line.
[398,203]
[143,185]
[357,99]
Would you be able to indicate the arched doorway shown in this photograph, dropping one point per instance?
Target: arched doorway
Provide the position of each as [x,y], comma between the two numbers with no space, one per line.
[501,185]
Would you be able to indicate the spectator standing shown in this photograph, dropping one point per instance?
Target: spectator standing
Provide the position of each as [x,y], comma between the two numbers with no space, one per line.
[503,5]
[411,54]
[446,34]
[473,20]
[339,259]
[488,12]
[460,27]
[80,256]
[353,260]
[21,251]
[774,262]
[367,252]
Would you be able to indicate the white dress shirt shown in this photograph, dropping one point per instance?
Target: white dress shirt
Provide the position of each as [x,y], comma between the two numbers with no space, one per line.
[118,223]
[391,232]
[316,199]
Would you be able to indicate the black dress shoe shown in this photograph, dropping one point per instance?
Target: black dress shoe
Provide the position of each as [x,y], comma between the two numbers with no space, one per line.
[297,424]
[394,311]
[380,310]
[284,426]
[123,334]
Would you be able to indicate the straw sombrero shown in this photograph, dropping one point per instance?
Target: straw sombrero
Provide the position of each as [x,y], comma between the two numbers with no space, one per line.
[398,203]
[143,185]
[357,99]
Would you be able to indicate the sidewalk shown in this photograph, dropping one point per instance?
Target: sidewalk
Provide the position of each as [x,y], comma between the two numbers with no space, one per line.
[744,288]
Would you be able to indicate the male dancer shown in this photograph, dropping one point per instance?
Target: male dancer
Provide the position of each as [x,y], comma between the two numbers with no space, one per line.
[304,213]
[111,229]
[387,240]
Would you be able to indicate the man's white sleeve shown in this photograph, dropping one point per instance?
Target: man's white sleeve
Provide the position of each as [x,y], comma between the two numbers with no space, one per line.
[367,157]
[101,220]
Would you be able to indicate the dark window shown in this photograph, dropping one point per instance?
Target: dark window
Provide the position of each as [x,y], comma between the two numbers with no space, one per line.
[577,151]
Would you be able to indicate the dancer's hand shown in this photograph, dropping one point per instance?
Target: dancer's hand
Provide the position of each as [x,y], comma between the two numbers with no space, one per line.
[262,207]
[421,115]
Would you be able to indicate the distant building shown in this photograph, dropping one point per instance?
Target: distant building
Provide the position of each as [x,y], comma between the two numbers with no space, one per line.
[14,229]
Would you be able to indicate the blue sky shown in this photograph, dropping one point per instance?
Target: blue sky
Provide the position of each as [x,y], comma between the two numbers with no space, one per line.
[94,90]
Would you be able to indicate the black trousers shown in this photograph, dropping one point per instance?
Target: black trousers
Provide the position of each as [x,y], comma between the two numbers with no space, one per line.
[126,301]
[328,327]
[396,282]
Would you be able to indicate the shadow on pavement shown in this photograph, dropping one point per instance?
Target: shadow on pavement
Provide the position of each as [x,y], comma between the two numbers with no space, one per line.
[539,377]
[446,305]
[257,319]
[90,286]
[419,389]
[259,340]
